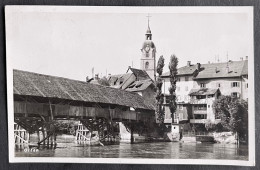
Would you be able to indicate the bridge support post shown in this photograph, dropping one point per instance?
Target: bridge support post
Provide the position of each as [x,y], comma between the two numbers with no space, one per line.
[21,136]
[126,134]
[82,133]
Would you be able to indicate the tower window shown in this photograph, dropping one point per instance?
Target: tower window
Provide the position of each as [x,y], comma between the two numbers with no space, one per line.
[147,65]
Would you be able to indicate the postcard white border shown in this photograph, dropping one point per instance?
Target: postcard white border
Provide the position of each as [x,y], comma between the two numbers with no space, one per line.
[93,9]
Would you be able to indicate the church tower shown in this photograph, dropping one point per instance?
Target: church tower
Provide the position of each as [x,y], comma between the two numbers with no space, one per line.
[148,54]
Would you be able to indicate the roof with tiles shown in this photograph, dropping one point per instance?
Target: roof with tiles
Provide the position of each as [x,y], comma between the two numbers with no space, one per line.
[202,91]
[33,84]
[140,74]
[221,70]
[140,81]
[186,70]
[215,70]
[118,80]
[139,85]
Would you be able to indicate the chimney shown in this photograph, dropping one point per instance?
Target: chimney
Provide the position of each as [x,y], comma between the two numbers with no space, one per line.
[87,79]
[216,69]
[227,69]
[246,57]
[96,77]
[242,59]
[198,66]
[208,62]
[188,63]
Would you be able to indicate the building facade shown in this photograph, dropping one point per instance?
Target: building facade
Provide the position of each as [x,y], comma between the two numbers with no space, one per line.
[199,85]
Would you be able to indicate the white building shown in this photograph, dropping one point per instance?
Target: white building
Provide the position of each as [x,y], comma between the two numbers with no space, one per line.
[199,85]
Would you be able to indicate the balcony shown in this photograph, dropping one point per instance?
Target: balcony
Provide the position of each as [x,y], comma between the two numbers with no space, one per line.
[198,101]
[198,120]
[199,111]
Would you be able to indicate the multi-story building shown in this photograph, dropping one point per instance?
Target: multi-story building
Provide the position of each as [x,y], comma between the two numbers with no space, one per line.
[199,85]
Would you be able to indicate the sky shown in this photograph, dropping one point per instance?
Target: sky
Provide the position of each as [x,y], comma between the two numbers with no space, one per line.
[70,42]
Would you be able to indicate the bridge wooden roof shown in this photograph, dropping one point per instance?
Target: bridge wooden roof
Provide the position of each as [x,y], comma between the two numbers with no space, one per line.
[34,84]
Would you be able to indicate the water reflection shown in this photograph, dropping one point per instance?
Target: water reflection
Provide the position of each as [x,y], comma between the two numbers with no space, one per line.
[169,150]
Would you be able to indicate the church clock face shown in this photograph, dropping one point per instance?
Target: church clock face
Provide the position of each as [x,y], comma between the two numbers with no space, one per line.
[147,48]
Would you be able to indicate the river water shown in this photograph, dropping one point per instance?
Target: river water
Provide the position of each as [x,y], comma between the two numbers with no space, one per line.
[167,150]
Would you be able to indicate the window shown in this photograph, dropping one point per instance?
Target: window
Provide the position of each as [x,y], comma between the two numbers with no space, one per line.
[218,85]
[147,65]
[200,116]
[186,88]
[202,107]
[235,94]
[201,97]
[211,95]
[180,116]
[121,80]
[246,85]
[186,78]
[202,85]
[178,79]
[208,106]
[180,107]
[235,84]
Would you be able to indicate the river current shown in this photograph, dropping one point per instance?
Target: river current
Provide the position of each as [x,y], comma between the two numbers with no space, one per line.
[167,150]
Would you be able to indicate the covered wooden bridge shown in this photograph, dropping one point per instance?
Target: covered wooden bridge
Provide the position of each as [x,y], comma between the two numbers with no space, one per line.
[39,100]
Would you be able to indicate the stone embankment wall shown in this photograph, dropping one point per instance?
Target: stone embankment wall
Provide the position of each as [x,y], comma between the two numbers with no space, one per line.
[221,137]
[225,137]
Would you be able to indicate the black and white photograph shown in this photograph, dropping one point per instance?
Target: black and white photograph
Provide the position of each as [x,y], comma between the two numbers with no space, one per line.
[142,85]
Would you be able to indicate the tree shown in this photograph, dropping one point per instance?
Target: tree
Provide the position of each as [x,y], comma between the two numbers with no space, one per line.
[233,113]
[159,96]
[173,79]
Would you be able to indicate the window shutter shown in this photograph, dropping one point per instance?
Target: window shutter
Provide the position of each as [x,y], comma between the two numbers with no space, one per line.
[238,84]
[231,84]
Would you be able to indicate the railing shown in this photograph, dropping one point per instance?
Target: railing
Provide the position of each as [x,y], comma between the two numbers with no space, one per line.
[198,101]
[199,111]
[198,120]
[192,134]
